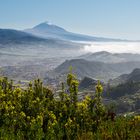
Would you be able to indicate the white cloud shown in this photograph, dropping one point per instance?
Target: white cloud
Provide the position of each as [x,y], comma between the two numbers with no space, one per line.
[113,47]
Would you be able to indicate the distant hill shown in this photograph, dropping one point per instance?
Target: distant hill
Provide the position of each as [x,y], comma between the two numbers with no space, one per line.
[126,84]
[99,70]
[124,89]
[124,78]
[107,57]
[134,75]
[48,30]
[87,83]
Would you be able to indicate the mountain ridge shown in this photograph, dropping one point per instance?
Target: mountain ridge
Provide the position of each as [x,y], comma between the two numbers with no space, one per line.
[107,57]
[47,30]
[94,69]
[133,76]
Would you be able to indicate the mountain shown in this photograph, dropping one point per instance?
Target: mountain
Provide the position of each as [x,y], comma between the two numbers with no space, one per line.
[126,84]
[134,76]
[46,27]
[9,36]
[47,30]
[93,69]
[107,57]
[124,91]
[18,46]
[128,88]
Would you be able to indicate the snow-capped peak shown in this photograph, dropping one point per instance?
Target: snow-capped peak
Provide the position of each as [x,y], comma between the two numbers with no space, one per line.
[48,23]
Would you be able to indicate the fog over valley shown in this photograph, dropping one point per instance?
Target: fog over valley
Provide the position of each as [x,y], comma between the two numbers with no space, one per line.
[47,51]
[113,47]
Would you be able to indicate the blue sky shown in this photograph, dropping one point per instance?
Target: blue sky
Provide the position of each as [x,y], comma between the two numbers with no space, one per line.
[107,18]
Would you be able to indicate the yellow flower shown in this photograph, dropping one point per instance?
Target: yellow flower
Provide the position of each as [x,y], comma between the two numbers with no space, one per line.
[22,114]
[37,99]
[28,117]
[40,119]
[54,123]
[99,88]
[137,117]
[12,107]
[33,120]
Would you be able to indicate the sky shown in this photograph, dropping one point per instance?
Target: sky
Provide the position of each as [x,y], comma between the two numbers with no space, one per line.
[105,18]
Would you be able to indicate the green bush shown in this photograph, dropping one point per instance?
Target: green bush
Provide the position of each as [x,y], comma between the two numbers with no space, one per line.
[34,114]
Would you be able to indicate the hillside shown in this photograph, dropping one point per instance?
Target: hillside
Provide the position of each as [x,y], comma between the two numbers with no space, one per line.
[87,83]
[92,69]
[107,57]
[133,76]
[125,91]
[10,36]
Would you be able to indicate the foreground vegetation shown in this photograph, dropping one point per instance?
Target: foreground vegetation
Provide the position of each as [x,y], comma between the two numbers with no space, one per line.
[34,114]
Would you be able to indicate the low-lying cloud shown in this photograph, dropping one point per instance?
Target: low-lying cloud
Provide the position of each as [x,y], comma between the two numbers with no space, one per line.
[113,47]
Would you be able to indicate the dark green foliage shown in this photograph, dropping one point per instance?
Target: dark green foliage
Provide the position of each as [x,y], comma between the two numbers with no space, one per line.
[127,88]
[87,83]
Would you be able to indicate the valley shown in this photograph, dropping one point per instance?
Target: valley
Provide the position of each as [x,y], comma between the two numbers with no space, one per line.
[48,51]
[69,70]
